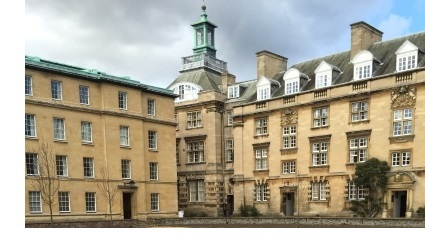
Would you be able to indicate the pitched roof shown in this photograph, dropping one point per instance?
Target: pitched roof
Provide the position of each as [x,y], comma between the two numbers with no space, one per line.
[383,51]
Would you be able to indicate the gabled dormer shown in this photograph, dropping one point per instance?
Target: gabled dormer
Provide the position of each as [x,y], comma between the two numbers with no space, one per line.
[325,74]
[265,87]
[407,56]
[294,80]
[362,62]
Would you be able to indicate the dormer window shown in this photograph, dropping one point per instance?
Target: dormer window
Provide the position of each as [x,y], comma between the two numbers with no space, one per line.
[325,73]
[233,91]
[407,56]
[186,91]
[294,80]
[265,87]
[363,65]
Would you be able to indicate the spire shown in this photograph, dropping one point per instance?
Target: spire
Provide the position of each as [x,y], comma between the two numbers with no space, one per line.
[204,14]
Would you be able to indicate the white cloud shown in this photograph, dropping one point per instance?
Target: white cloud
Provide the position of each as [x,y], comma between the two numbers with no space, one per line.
[395,26]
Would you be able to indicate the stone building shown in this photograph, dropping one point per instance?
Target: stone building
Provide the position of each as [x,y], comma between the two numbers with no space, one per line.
[97,130]
[288,142]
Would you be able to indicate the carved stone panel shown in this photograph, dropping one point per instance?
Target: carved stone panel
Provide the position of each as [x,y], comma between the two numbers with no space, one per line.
[403,96]
[288,117]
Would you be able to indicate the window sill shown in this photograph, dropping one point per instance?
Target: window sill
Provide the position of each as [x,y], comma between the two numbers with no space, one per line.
[320,127]
[289,151]
[261,202]
[85,104]
[87,143]
[194,128]
[153,150]
[401,139]
[60,141]
[31,137]
[261,136]
[319,201]
[89,178]
[366,121]
[229,161]
[122,109]
[194,163]
[125,147]
[91,212]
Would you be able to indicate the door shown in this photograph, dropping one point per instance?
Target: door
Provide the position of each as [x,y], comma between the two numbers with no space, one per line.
[126,198]
[230,205]
[288,204]
[399,199]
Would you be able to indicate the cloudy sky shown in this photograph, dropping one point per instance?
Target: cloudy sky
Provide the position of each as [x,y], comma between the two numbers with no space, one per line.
[145,39]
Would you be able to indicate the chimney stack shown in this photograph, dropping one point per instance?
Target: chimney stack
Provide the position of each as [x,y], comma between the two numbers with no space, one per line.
[269,64]
[362,36]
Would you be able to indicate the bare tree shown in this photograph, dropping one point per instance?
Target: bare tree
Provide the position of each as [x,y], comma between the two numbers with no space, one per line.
[46,182]
[108,188]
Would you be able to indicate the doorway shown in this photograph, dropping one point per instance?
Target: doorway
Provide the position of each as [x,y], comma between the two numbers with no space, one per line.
[288,204]
[399,199]
[229,205]
[126,198]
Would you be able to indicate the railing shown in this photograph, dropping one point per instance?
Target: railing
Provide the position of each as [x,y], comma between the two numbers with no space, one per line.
[360,85]
[320,93]
[403,77]
[203,60]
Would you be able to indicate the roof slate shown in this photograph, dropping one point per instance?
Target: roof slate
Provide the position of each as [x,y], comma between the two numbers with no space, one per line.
[383,52]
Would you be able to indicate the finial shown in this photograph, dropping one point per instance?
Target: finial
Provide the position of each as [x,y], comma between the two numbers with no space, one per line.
[203,6]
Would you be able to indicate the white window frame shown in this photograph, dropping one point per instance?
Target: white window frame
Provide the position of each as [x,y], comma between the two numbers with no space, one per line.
[125,169]
[64,202]
[321,117]
[56,89]
[86,132]
[195,151]
[407,61]
[323,80]
[196,190]
[59,129]
[400,158]
[233,91]
[292,86]
[403,122]
[289,135]
[186,91]
[229,150]
[358,149]
[124,136]
[61,166]
[30,126]
[153,171]
[318,191]
[90,202]
[359,111]
[263,92]
[122,100]
[88,167]
[151,107]
[32,165]
[261,192]
[28,86]
[355,193]
[261,126]
[261,159]
[84,95]
[152,140]
[154,201]
[34,202]
[194,119]
[363,71]
[288,167]
[319,153]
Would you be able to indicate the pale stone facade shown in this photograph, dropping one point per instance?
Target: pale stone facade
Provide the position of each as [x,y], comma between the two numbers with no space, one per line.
[295,135]
[79,161]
